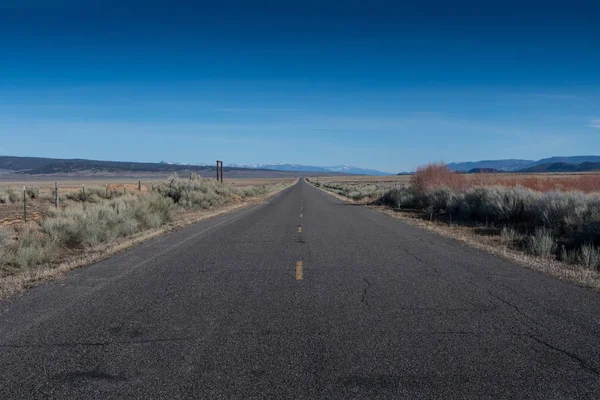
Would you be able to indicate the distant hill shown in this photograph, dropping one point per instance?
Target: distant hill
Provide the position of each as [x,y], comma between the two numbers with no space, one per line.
[499,165]
[484,171]
[10,163]
[563,167]
[569,160]
[37,165]
[515,165]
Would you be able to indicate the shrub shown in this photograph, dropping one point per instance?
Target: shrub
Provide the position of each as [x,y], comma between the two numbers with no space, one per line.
[436,175]
[399,198]
[508,235]
[541,243]
[32,192]
[92,194]
[6,235]
[500,204]
[204,192]
[13,196]
[10,196]
[555,210]
[32,250]
[589,255]
[438,199]
[569,256]
[100,223]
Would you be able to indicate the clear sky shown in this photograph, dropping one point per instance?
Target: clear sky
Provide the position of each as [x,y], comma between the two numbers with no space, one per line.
[384,85]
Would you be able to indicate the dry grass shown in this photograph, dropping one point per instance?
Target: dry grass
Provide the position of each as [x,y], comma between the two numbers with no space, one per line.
[583,182]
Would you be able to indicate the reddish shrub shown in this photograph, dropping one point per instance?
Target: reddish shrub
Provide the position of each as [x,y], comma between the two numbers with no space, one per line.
[436,175]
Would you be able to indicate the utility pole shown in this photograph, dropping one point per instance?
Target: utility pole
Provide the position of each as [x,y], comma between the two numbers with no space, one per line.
[220,163]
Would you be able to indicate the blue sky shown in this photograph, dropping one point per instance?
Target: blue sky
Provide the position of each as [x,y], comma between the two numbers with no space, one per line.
[384,85]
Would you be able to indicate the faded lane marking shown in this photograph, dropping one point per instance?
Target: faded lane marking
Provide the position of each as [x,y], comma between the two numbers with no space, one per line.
[299,272]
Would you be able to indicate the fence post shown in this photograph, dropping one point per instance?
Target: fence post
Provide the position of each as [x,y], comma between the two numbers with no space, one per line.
[139,186]
[124,189]
[56,196]
[106,190]
[83,191]
[24,205]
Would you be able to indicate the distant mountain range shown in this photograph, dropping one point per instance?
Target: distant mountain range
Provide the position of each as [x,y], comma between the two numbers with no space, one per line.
[344,169]
[563,167]
[501,165]
[552,164]
[42,166]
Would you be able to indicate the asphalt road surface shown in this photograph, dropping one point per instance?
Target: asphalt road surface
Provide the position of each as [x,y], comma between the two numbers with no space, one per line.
[301,297]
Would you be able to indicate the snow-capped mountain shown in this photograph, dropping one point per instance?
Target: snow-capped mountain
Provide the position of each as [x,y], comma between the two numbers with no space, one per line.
[178,163]
[346,169]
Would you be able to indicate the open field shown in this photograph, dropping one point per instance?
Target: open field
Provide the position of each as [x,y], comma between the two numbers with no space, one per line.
[541,219]
[584,181]
[95,216]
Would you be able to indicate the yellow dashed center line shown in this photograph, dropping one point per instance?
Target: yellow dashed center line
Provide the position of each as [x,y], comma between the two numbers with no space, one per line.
[299,272]
[299,266]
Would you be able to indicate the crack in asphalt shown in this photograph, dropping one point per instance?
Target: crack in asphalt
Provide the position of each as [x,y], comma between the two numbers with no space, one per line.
[511,305]
[518,310]
[421,260]
[583,364]
[364,294]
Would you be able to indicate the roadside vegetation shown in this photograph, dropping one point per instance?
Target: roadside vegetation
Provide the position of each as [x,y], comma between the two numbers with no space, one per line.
[97,216]
[549,218]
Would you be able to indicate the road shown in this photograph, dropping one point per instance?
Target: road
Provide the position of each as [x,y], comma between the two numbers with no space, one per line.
[303,296]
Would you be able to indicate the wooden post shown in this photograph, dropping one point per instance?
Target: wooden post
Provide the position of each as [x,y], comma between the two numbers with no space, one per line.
[139,186]
[24,205]
[56,196]
[217,170]
[83,191]
[221,171]
[124,189]
[106,190]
